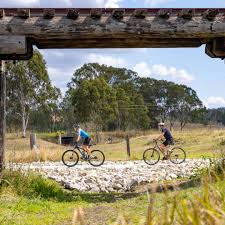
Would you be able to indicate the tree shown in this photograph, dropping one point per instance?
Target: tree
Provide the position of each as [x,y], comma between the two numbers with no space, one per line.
[129,110]
[187,105]
[29,88]
[94,100]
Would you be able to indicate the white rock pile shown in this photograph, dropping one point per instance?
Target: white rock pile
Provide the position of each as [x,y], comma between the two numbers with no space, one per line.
[121,176]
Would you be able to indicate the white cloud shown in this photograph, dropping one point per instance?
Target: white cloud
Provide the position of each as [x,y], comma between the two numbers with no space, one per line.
[60,77]
[142,69]
[156,2]
[112,3]
[106,60]
[215,101]
[159,70]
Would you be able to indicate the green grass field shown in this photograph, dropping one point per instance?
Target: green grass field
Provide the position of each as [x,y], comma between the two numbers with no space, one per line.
[27,204]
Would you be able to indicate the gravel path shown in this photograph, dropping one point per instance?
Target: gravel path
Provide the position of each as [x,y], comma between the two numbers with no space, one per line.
[121,176]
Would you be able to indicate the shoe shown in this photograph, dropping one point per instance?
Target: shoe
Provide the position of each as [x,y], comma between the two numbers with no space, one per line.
[165,158]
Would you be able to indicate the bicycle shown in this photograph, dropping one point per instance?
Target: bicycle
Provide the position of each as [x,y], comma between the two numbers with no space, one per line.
[151,156]
[71,157]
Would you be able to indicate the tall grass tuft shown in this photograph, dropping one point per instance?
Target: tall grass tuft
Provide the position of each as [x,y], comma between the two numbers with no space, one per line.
[32,185]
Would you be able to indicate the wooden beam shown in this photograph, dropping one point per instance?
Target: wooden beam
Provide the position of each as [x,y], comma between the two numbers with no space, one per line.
[2,13]
[96,13]
[72,14]
[164,13]
[23,13]
[2,115]
[13,45]
[187,14]
[118,14]
[211,14]
[216,48]
[48,13]
[76,28]
[140,13]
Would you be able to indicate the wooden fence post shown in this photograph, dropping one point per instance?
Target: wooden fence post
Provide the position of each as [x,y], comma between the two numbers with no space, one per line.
[33,140]
[60,139]
[128,145]
[2,114]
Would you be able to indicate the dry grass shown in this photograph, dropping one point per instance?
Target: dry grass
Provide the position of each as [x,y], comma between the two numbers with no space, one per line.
[18,150]
[196,143]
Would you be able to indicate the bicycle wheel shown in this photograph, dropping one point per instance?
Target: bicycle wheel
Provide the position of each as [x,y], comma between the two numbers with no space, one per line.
[97,158]
[151,156]
[70,158]
[177,155]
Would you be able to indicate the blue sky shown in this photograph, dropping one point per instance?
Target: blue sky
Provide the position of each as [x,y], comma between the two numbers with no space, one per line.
[188,66]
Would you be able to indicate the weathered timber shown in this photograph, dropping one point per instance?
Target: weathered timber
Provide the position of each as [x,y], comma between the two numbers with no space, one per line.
[216,48]
[96,13]
[187,14]
[13,44]
[48,13]
[72,14]
[2,13]
[23,13]
[128,146]
[111,28]
[164,13]
[2,115]
[33,141]
[211,14]
[140,13]
[118,14]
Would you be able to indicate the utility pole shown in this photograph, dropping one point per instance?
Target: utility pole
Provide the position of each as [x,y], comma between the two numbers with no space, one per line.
[2,114]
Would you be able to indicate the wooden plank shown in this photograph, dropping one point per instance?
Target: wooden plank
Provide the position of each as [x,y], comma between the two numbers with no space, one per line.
[164,13]
[75,28]
[96,13]
[2,13]
[211,14]
[187,14]
[118,14]
[72,14]
[140,13]
[48,13]
[2,115]
[13,45]
[23,13]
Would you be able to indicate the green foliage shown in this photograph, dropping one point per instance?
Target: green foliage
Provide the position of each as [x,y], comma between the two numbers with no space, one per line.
[31,185]
[29,89]
[171,102]
[108,97]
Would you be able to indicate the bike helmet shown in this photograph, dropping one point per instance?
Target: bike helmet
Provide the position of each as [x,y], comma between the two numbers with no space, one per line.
[76,126]
[161,124]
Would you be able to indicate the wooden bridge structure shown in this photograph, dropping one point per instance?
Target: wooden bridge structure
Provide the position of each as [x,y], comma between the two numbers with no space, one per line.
[21,29]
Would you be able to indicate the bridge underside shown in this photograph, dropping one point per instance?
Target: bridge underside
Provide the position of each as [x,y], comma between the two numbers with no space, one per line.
[21,29]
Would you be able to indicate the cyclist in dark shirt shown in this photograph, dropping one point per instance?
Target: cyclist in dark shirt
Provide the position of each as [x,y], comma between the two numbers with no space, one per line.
[168,140]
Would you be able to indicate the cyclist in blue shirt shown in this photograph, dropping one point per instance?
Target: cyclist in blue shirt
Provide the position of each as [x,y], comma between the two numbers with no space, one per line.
[168,140]
[82,134]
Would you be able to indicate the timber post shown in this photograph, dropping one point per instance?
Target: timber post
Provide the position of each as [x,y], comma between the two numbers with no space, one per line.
[33,141]
[128,145]
[2,114]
